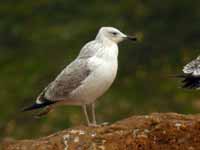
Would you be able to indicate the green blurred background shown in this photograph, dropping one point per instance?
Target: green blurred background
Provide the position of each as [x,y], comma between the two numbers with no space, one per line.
[39,38]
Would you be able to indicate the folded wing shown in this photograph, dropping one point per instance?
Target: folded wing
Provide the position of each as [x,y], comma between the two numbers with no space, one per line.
[68,80]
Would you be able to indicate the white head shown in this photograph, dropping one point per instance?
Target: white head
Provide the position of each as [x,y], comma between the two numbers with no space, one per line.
[113,34]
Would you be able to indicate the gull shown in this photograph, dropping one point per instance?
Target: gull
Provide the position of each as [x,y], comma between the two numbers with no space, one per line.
[191,76]
[86,78]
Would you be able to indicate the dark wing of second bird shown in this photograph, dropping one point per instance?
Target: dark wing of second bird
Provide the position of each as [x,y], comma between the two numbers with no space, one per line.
[191,76]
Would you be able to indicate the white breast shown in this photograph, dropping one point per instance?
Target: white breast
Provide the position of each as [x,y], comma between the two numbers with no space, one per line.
[101,78]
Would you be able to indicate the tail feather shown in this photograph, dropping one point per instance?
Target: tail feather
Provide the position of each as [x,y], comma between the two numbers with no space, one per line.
[37,106]
[189,81]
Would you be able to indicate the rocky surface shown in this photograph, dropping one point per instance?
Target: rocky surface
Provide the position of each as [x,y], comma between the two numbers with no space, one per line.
[157,131]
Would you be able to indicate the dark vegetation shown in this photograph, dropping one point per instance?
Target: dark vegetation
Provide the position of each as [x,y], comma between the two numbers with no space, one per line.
[38,38]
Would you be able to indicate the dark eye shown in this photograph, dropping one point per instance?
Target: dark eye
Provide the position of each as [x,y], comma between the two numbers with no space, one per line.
[114,33]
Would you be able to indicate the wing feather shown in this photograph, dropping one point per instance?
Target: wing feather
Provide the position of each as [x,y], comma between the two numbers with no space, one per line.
[68,80]
[191,78]
[193,67]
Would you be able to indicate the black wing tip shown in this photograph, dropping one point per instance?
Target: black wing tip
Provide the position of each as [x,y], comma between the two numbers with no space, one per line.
[31,107]
[190,82]
[37,106]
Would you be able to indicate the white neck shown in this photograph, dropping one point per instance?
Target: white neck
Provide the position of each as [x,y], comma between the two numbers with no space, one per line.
[109,49]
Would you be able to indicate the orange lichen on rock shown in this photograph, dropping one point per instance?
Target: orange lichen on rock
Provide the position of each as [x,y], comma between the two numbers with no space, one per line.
[153,132]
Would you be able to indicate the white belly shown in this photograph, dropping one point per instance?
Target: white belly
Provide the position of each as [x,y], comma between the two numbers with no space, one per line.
[98,82]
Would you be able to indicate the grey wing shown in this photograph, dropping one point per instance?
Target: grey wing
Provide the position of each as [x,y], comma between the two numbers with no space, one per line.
[193,67]
[68,80]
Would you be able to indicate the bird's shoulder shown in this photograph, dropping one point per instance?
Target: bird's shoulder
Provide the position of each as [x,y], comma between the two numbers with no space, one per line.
[90,49]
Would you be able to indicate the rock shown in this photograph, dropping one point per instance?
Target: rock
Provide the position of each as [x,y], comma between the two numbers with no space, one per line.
[157,131]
